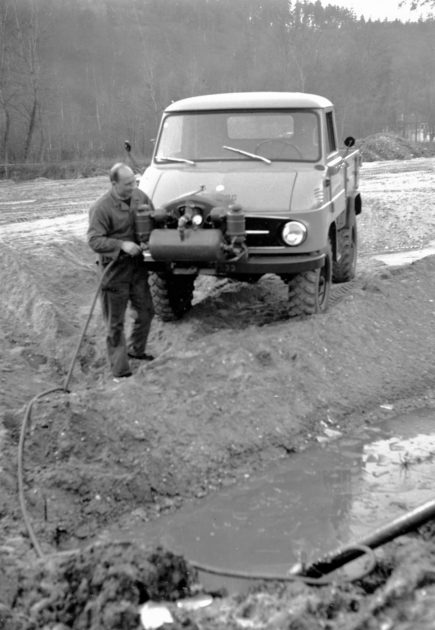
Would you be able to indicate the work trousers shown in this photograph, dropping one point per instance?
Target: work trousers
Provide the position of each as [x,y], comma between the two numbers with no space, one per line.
[126,285]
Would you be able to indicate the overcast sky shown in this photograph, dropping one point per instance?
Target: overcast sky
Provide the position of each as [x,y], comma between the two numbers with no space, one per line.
[379,9]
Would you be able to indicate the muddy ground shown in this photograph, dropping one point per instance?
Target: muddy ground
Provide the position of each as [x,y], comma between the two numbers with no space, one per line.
[235,386]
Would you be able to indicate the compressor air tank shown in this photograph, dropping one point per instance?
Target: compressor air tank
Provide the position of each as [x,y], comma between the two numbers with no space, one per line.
[143,223]
[236,229]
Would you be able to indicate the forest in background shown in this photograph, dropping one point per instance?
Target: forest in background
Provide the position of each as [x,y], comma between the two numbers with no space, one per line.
[77,78]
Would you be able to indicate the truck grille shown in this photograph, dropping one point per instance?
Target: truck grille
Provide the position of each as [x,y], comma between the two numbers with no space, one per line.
[268,232]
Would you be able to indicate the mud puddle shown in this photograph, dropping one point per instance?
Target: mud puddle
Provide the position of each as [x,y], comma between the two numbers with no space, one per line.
[331,494]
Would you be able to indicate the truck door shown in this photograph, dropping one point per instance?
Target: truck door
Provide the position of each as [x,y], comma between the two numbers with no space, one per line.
[335,181]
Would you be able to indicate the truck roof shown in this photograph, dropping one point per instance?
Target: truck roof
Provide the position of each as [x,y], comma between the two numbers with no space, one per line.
[250,100]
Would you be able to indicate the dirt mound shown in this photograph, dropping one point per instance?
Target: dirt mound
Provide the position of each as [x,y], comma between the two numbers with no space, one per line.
[101,586]
[388,146]
[25,306]
[43,293]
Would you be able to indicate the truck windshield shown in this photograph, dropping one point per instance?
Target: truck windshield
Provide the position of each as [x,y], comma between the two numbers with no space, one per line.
[282,135]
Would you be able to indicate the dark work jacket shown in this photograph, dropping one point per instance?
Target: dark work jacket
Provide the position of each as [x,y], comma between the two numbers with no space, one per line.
[112,221]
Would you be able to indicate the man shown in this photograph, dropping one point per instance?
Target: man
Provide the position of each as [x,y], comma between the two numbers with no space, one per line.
[111,234]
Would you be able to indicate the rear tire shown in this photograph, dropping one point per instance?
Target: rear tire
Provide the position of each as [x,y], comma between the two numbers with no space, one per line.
[344,269]
[172,294]
[308,292]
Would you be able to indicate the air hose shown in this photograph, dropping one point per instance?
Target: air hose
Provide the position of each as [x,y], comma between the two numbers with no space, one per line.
[28,415]
[314,574]
[299,575]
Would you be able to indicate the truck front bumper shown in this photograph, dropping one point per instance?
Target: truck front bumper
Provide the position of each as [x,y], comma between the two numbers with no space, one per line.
[253,264]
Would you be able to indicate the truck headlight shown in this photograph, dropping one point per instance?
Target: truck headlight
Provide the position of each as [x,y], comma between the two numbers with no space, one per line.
[294,233]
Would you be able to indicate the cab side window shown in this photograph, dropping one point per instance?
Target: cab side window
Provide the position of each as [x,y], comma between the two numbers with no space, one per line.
[331,142]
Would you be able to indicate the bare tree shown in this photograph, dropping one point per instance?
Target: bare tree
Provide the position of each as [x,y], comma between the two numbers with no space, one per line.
[8,88]
[28,34]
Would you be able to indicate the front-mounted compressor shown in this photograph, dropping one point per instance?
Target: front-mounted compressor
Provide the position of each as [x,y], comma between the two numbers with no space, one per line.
[193,228]
[191,232]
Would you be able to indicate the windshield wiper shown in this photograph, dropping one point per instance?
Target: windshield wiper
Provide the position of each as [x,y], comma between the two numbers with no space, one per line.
[254,156]
[173,159]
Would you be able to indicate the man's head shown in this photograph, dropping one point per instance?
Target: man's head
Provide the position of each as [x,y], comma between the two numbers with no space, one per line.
[123,180]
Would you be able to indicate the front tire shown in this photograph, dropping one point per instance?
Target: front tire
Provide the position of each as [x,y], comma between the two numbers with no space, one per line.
[308,292]
[172,294]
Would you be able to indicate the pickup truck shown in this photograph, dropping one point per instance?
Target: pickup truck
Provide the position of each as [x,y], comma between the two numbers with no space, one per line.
[247,184]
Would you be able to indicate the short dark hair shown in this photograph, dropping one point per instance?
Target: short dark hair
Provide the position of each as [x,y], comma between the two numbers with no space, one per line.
[114,171]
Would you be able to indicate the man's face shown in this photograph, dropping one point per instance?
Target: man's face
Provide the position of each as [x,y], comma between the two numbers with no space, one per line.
[125,185]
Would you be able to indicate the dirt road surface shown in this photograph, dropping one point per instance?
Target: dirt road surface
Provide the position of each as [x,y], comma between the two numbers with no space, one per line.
[235,386]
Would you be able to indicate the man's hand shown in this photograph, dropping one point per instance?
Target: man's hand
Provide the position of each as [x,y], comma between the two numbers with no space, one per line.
[130,248]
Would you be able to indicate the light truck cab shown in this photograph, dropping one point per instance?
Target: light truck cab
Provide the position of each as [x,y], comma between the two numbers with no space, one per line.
[259,185]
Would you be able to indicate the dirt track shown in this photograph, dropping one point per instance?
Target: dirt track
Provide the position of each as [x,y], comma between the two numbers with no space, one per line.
[235,386]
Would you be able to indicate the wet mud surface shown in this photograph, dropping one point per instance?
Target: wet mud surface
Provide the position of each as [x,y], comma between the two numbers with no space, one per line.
[329,495]
[236,387]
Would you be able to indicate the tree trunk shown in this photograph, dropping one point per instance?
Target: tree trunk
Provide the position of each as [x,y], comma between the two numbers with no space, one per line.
[30,128]
[6,142]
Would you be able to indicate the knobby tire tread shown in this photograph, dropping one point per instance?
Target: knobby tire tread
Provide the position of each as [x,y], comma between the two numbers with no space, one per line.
[172,295]
[302,292]
[344,270]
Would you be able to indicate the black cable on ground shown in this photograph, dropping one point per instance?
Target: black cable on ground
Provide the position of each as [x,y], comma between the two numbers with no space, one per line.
[85,327]
[296,577]
[28,415]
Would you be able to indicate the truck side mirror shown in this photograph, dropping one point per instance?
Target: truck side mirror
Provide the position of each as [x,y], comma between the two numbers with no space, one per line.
[349,142]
